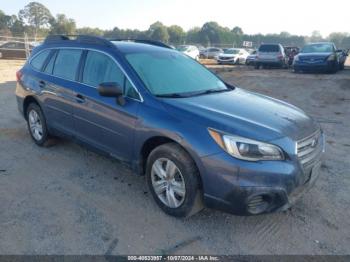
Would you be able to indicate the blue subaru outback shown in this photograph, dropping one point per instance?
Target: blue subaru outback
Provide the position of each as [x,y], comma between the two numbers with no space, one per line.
[198,140]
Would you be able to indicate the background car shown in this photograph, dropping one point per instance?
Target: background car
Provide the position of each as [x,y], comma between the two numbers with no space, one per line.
[342,58]
[14,50]
[322,56]
[211,52]
[233,56]
[251,58]
[271,55]
[190,50]
[291,52]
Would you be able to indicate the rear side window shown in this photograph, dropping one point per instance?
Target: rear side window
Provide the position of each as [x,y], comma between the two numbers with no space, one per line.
[269,48]
[66,63]
[100,68]
[50,64]
[38,61]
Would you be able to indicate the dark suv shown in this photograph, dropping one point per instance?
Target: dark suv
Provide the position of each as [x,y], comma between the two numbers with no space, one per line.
[196,138]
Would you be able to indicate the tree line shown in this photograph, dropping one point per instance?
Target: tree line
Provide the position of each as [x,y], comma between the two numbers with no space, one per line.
[36,20]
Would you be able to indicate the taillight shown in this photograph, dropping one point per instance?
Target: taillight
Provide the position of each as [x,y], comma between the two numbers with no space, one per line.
[19,75]
[280,56]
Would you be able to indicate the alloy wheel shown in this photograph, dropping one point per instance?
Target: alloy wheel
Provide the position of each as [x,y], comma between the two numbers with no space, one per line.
[35,125]
[168,182]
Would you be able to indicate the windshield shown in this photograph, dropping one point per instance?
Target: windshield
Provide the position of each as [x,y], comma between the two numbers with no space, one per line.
[183,48]
[317,48]
[169,72]
[231,51]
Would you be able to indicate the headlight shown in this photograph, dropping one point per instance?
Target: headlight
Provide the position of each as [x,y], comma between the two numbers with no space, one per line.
[331,58]
[246,149]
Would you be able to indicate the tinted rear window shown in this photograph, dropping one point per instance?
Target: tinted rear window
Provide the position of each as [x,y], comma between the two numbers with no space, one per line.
[38,61]
[269,48]
[66,63]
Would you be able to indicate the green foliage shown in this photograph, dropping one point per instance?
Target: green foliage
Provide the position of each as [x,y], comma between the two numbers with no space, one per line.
[35,19]
[193,35]
[176,34]
[159,32]
[62,25]
[90,31]
[36,15]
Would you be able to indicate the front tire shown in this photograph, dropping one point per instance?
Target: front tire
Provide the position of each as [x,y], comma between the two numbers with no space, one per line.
[173,179]
[37,125]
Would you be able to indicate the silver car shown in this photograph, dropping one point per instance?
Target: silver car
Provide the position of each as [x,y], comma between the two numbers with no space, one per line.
[271,55]
[211,52]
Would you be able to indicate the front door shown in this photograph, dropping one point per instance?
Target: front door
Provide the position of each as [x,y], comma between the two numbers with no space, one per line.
[101,121]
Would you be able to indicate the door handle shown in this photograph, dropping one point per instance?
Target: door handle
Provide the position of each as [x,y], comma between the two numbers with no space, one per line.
[79,98]
[42,84]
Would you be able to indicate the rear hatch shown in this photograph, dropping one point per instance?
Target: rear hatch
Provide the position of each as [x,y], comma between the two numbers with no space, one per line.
[269,52]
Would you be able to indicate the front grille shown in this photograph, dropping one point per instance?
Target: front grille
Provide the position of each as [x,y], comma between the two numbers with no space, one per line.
[312,60]
[225,58]
[309,149]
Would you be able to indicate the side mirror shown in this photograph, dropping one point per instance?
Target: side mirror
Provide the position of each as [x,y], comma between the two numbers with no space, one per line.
[339,51]
[111,89]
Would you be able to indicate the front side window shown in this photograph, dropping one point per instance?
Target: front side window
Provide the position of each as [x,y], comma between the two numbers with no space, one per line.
[170,72]
[99,68]
[66,63]
[38,61]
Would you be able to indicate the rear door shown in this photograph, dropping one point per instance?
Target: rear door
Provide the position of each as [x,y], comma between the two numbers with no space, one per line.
[62,73]
[101,121]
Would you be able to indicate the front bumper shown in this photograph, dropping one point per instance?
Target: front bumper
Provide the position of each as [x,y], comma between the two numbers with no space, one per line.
[322,67]
[227,61]
[251,188]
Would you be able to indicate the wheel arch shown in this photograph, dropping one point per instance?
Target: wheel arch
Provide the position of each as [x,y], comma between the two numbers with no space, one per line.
[153,142]
[27,101]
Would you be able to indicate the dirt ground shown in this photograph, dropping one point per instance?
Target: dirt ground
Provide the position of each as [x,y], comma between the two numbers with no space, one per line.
[68,200]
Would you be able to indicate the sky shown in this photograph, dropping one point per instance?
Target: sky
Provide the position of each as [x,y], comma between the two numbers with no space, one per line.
[299,17]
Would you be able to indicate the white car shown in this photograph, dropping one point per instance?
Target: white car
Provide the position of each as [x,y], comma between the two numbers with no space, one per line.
[190,50]
[233,56]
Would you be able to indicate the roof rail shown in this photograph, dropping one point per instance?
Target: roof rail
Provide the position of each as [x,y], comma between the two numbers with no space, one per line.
[87,39]
[144,41]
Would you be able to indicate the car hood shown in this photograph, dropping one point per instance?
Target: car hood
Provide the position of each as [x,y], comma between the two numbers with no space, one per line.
[245,114]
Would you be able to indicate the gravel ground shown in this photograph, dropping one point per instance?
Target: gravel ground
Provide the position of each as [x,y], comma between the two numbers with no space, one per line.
[68,200]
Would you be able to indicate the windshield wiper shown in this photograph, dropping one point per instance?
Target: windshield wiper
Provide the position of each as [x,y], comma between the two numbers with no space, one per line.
[173,95]
[211,91]
[196,93]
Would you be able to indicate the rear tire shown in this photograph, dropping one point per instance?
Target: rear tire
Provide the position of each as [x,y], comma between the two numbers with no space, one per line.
[37,126]
[174,181]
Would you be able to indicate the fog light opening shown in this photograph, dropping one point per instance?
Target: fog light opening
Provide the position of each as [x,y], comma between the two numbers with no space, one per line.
[259,204]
